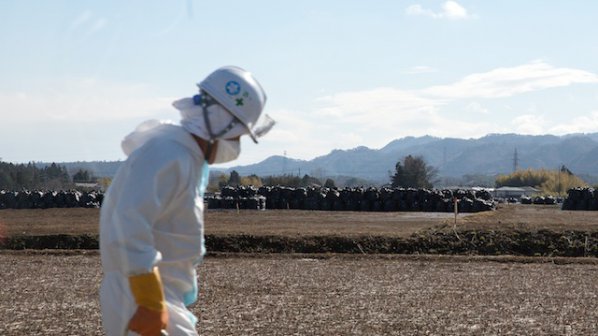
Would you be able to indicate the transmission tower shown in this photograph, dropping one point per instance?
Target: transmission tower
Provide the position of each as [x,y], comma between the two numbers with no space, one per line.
[444,156]
[284,163]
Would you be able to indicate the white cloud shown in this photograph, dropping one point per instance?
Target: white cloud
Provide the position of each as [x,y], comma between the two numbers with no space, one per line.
[477,108]
[529,124]
[505,82]
[418,10]
[450,10]
[375,117]
[343,120]
[301,135]
[83,99]
[581,124]
[382,114]
[85,23]
[375,109]
[290,126]
[392,104]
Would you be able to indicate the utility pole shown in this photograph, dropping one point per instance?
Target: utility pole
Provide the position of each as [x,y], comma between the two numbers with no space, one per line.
[444,156]
[284,163]
[515,161]
[558,171]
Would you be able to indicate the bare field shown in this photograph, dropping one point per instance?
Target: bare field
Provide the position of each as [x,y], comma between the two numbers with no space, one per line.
[269,222]
[313,223]
[57,294]
[531,217]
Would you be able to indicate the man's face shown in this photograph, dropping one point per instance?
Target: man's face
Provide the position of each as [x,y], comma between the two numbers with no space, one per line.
[215,148]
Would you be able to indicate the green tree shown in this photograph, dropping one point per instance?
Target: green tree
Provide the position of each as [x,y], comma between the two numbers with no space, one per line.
[28,176]
[222,181]
[6,181]
[308,181]
[56,177]
[329,183]
[283,180]
[413,172]
[251,180]
[234,179]
[550,182]
[83,175]
[104,182]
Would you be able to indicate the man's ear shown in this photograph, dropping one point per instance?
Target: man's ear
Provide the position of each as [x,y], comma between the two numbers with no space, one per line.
[204,145]
[213,148]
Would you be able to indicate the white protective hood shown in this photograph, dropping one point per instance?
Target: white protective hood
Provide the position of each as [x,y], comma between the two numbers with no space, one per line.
[144,132]
[193,120]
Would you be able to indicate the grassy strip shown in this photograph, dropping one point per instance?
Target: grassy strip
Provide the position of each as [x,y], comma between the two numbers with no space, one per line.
[59,241]
[541,243]
[518,243]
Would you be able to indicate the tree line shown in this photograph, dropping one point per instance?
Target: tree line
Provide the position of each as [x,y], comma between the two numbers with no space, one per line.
[410,172]
[553,182]
[287,180]
[30,176]
[413,172]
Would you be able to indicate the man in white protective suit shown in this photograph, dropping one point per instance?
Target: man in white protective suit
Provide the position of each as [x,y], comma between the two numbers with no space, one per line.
[151,221]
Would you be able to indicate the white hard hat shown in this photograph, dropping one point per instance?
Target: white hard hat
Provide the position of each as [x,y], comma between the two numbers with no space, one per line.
[239,93]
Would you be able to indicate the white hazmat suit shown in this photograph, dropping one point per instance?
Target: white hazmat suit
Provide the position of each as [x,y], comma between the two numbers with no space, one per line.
[151,222]
[152,215]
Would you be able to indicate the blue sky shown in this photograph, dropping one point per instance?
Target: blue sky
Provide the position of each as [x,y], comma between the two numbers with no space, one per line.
[77,76]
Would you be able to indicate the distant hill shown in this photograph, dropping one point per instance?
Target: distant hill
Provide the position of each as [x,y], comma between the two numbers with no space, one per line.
[489,155]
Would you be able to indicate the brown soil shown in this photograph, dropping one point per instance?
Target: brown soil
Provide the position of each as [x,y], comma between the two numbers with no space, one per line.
[57,294]
[529,230]
[270,222]
[315,223]
[531,218]
[33,222]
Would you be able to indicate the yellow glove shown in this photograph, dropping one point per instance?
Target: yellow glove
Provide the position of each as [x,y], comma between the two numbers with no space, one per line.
[151,316]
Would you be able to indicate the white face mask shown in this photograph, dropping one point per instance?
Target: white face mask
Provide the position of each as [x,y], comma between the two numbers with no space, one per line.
[227,150]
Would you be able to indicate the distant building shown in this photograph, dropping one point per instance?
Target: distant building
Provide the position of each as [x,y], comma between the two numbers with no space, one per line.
[514,192]
[90,185]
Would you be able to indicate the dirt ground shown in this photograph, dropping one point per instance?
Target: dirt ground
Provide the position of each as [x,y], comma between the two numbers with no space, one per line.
[313,223]
[531,218]
[269,222]
[57,294]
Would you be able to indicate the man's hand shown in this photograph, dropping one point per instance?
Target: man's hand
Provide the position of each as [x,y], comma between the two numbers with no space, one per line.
[148,322]
[151,316]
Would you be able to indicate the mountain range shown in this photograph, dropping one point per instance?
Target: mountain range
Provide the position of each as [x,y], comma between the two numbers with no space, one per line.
[489,155]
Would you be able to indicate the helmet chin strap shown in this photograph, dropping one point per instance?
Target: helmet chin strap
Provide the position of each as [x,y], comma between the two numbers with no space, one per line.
[206,101]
